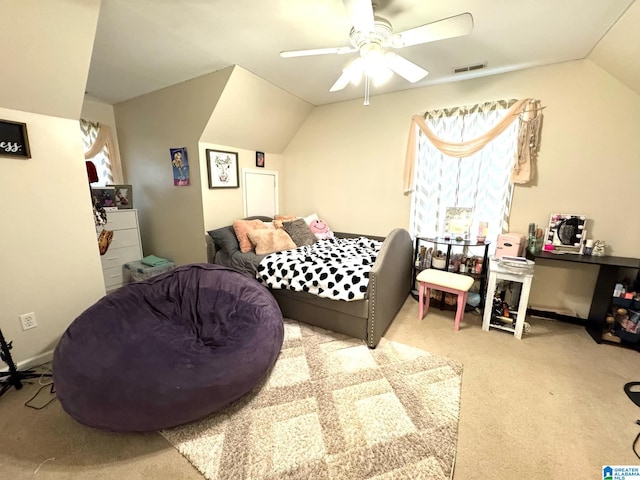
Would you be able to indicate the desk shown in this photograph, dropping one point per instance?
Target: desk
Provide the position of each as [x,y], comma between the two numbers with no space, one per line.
[605,283]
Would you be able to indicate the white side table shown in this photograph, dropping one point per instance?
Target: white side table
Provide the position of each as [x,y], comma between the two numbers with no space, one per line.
[499,272]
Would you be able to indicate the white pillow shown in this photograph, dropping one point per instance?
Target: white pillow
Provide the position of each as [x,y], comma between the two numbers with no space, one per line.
[311,218]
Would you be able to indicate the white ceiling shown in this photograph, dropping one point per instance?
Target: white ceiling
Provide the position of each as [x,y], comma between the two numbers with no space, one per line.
[145,45]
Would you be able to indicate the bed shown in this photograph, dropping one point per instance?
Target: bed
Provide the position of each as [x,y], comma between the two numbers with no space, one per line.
[368,318]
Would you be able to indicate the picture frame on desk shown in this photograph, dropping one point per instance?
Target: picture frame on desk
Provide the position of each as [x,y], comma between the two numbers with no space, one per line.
[123,196]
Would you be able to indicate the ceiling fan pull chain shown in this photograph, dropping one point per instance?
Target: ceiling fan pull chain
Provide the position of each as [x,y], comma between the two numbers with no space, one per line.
[366,90]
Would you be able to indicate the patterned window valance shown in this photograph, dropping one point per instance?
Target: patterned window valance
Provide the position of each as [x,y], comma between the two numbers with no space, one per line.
[528,113]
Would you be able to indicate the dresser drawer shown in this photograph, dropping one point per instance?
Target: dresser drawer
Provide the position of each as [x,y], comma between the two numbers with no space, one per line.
[112,277]
[124,238]
[121,219]
[119,256]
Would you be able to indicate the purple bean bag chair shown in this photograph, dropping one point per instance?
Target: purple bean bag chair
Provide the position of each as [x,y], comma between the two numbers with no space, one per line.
[168,350]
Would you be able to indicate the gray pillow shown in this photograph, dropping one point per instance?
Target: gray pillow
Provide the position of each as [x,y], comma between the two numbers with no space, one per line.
[299,232]
[225,239]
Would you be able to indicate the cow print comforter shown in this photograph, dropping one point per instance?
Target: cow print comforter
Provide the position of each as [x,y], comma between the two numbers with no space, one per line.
[336,268]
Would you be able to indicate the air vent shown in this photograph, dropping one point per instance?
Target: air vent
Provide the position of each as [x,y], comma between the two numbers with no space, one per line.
[470,68]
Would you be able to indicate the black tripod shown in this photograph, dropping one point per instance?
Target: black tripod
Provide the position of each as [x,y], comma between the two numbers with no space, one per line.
[13,377]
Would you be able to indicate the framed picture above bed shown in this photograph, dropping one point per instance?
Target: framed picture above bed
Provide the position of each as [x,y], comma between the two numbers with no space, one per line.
[222,169]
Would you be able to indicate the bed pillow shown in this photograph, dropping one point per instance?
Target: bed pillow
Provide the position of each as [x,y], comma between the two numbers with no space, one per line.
[311,218]
[280,219]
[320,229]
[225,239]
[241,227]
[299,232]
[270,241]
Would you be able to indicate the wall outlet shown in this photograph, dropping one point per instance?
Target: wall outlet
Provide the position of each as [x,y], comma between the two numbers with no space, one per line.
[28,320]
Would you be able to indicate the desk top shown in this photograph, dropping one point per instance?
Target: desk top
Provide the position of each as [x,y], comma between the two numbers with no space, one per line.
[590,259]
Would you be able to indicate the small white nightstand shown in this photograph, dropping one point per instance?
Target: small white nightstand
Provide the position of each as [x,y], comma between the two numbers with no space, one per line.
[500,272]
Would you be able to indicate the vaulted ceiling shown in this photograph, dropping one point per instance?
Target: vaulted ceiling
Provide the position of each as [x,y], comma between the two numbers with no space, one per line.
[145,45]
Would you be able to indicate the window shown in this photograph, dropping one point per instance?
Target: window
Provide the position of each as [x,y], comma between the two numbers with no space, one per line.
[90,132]
[481,181]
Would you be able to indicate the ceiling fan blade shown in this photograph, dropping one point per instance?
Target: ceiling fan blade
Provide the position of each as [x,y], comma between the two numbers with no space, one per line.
[317,51]
[351,73]
[361,14]
[455,26]
[403,67]
[342,82]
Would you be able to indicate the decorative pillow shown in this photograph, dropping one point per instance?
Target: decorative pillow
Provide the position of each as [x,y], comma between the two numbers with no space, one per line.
[241,227]
[320,229]
[225,238]
[311,218]
[269,241]
[279,219]
[299,232]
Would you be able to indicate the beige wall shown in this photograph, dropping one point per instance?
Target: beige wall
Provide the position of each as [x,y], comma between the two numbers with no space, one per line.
[588,162]
[48,249]
[254,114]
[171,217]
[224,205]
[45,54]
[618,51]
[251,114]
[231,109]
[49,259]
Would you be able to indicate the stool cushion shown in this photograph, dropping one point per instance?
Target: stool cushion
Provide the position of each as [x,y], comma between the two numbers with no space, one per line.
[454,281]
[168,350]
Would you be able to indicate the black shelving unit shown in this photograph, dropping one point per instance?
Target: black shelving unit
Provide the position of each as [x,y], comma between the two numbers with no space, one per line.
[601,299]
[451,245]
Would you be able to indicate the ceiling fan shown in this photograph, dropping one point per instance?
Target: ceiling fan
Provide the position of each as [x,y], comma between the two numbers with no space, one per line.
[373,37]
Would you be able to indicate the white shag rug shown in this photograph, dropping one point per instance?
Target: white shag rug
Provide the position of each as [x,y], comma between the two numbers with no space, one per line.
[332,408]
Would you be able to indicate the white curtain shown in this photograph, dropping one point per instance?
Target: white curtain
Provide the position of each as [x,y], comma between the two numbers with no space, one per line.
[481,181]
[99,147]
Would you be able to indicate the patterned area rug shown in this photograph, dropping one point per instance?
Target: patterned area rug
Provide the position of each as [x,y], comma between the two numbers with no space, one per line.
[333,408]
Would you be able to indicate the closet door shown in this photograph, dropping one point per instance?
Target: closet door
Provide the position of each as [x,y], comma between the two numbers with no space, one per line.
[260,192]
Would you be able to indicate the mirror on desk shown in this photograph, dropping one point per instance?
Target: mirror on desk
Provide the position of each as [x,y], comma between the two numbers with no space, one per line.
[566,232]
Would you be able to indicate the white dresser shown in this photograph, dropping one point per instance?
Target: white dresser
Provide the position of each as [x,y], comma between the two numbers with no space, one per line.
[125,246]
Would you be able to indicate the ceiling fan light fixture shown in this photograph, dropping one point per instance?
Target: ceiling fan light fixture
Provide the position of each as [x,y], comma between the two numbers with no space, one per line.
[373,61]
[382,76]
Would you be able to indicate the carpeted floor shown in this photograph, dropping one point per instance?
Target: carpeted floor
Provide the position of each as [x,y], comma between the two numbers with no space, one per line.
[548,406]
[333,408]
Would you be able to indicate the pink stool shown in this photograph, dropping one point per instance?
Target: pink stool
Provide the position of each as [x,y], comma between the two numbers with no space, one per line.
[447,282]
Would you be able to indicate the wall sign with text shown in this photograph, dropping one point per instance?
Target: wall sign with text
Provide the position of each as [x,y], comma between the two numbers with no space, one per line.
[13,139]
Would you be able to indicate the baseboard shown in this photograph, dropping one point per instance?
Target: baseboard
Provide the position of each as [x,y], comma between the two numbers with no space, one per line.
[32,361]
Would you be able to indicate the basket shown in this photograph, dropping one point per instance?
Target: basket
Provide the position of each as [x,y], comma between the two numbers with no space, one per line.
[138,271]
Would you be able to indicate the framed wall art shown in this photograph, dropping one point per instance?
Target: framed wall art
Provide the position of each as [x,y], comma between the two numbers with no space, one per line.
[457,222]
[260,159]
[105,196]
[13,139]
[123,195]
[222,169]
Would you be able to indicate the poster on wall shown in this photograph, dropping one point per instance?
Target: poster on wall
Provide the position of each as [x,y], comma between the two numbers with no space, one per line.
[180,165]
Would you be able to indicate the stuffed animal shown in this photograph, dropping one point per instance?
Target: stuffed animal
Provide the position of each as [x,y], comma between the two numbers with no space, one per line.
[320,229]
